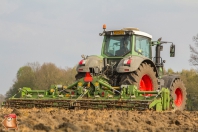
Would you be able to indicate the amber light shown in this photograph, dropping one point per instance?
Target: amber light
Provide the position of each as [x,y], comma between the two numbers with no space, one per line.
[104,26]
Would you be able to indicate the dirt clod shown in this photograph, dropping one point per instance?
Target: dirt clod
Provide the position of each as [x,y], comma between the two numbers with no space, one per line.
[17,112]
[68,125]
[41,126]
[177,123]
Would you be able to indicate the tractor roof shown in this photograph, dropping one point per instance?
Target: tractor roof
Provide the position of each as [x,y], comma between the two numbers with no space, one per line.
[136,31]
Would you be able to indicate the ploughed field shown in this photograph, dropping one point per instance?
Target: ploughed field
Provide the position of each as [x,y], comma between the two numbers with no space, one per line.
[60,120]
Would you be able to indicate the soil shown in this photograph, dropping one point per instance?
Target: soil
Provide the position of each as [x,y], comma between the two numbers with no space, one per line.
[60,120]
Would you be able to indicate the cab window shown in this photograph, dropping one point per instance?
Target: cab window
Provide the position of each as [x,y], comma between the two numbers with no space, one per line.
[117,45]
[142,45]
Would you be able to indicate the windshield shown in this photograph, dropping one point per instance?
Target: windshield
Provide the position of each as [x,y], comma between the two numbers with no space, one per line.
[142,45]
[117,45]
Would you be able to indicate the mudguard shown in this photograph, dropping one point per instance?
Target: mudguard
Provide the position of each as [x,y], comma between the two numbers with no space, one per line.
[95,62]
[135,63]
[169,79]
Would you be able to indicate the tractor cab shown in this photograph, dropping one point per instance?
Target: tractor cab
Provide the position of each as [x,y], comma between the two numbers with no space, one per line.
[125,42]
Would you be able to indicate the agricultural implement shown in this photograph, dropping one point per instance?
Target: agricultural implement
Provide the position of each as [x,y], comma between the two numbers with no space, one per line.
[124,76]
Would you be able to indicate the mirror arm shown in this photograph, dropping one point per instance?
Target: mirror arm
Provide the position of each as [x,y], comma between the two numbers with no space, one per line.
[162,42]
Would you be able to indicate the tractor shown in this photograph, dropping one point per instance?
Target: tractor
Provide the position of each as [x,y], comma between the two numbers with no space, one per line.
[126,59]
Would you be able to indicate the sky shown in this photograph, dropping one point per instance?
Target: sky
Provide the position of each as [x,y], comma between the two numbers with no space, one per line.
[61,31]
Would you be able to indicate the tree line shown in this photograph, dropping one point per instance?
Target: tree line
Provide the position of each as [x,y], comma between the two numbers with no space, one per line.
[38,76]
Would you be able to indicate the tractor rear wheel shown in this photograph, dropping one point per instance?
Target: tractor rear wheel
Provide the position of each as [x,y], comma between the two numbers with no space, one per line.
[178,94]
[144,78]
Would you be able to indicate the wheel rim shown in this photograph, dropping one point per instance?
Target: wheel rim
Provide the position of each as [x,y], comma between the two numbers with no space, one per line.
[146,83]
[179,97]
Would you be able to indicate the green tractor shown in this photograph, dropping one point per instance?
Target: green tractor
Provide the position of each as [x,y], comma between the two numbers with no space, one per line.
[126,59]
[124,76]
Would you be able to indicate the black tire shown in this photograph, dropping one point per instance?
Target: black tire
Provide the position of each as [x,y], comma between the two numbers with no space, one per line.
[144,70]
[178,94]
[80,75]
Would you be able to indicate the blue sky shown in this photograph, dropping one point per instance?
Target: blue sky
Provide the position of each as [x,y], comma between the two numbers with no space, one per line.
[60,31]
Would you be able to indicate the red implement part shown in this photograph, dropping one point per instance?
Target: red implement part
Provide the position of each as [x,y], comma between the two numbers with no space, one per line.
[88,77]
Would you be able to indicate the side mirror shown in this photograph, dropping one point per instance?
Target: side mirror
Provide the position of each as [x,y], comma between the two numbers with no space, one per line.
[172,50]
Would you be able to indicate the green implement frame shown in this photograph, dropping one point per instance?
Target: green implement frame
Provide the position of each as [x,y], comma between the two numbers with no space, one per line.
[94,94]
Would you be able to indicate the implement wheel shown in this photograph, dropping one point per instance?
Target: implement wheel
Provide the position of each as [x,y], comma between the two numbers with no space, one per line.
[178,94]
[144,78]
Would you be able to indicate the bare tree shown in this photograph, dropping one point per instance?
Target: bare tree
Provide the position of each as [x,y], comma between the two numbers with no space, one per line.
[194,53]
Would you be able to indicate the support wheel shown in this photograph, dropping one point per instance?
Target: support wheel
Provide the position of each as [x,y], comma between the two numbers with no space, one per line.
[178,93]
[144,78]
